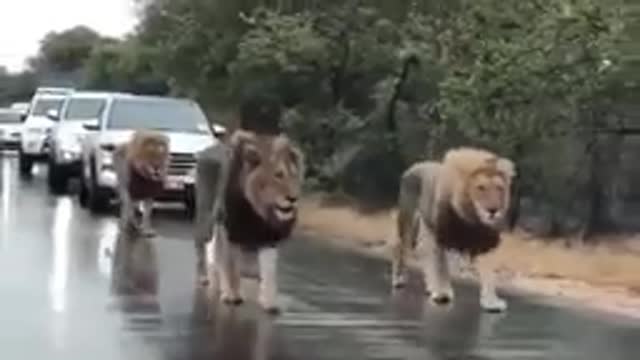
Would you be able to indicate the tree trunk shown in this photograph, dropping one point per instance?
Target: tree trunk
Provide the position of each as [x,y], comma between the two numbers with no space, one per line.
[397,90]
[597,220]
[337,78]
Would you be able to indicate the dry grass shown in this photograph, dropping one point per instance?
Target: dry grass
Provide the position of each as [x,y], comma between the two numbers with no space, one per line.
[520,254]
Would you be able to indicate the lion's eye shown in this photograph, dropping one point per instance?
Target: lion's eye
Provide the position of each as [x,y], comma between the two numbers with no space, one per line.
[482,188]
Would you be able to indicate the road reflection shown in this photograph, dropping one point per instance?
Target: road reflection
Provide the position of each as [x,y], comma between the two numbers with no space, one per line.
[6,195]
[62,216]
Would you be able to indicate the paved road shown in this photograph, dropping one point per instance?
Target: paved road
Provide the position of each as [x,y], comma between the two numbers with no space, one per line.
[54,278]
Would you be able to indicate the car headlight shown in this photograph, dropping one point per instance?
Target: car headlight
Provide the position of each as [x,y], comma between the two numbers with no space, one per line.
[70,145]
[106,158]
[190,176]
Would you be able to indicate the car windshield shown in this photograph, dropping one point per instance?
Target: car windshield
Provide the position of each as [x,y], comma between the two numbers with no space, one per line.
[43,105]
[83,109]
[9,117]
[157,114]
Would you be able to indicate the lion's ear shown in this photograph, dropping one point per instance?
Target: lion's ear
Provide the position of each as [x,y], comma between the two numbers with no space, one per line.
[297,157]
[506,167]
[251,155]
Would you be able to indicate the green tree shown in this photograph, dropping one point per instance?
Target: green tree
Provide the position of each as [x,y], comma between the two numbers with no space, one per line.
[67,50]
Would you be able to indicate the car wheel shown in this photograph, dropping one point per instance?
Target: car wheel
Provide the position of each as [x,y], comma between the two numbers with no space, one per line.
[57,178]
[25,163]
[97,197]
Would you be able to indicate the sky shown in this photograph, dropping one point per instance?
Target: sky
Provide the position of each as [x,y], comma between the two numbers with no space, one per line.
[23,23]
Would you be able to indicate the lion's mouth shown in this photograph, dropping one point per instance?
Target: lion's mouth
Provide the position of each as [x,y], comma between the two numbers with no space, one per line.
[284,212]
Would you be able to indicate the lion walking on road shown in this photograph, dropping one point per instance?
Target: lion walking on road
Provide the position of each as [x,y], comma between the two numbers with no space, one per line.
[247,191]
[141,167]
[247,200]
[458,204]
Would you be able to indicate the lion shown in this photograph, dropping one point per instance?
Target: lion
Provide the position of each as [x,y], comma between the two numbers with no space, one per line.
[141,165]
[247,193]
[458,204]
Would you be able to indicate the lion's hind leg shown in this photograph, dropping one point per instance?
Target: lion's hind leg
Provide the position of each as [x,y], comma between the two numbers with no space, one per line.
[435,266]
[402,245]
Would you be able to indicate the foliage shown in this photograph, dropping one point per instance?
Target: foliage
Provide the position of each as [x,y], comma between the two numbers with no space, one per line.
[65,51]
[124,66]
[518,71]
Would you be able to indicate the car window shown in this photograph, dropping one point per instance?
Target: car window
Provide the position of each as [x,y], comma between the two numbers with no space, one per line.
[83,109]
[43,105]
[162,114]
[9,117]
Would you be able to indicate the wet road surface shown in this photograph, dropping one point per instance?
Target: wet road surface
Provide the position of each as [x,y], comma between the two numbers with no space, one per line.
[54,280]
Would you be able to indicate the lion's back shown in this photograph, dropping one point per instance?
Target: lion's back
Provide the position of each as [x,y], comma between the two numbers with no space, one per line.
[209,163]
[417,192]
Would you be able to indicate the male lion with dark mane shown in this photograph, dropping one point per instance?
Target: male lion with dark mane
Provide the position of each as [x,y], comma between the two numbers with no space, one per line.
[141,165]
[458,204]
[247,189]
[247,202]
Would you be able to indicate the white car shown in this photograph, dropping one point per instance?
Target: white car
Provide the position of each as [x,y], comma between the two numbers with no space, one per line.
[22,107]
[37,126]
[180,119]
[65,141]
[10,128]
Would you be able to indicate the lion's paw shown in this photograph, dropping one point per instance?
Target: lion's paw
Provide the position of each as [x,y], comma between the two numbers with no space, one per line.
[441,297]
[229,299]
[398,281]
[493,304]
[271,309]
[269,305]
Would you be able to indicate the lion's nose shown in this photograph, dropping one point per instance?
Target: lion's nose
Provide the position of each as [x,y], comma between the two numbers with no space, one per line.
[292,199]
[492,212]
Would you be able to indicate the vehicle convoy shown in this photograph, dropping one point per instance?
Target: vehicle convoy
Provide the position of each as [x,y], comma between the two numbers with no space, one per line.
[182,120]
[10,127]
[65,141]
[37,126]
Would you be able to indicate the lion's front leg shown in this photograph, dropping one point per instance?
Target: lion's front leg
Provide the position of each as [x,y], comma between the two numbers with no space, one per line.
[268,263]
[436,268]
[226,262]
[489,299]
[147,209]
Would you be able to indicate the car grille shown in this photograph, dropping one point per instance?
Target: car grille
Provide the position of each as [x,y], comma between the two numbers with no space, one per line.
[181,163]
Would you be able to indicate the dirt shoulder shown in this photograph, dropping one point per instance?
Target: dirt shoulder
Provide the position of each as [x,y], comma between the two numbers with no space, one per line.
[600,277]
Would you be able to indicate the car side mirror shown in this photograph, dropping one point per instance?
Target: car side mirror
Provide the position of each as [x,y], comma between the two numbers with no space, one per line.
[23,117]
[91,125]
[53,114]
[219,131]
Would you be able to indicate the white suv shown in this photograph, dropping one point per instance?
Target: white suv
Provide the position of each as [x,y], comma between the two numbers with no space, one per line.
[65,142]
[36,128]
[180,119]
[10,125]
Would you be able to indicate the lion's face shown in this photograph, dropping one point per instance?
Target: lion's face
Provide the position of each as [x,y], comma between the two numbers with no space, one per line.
[489,193]
[271,178]
[149,153]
